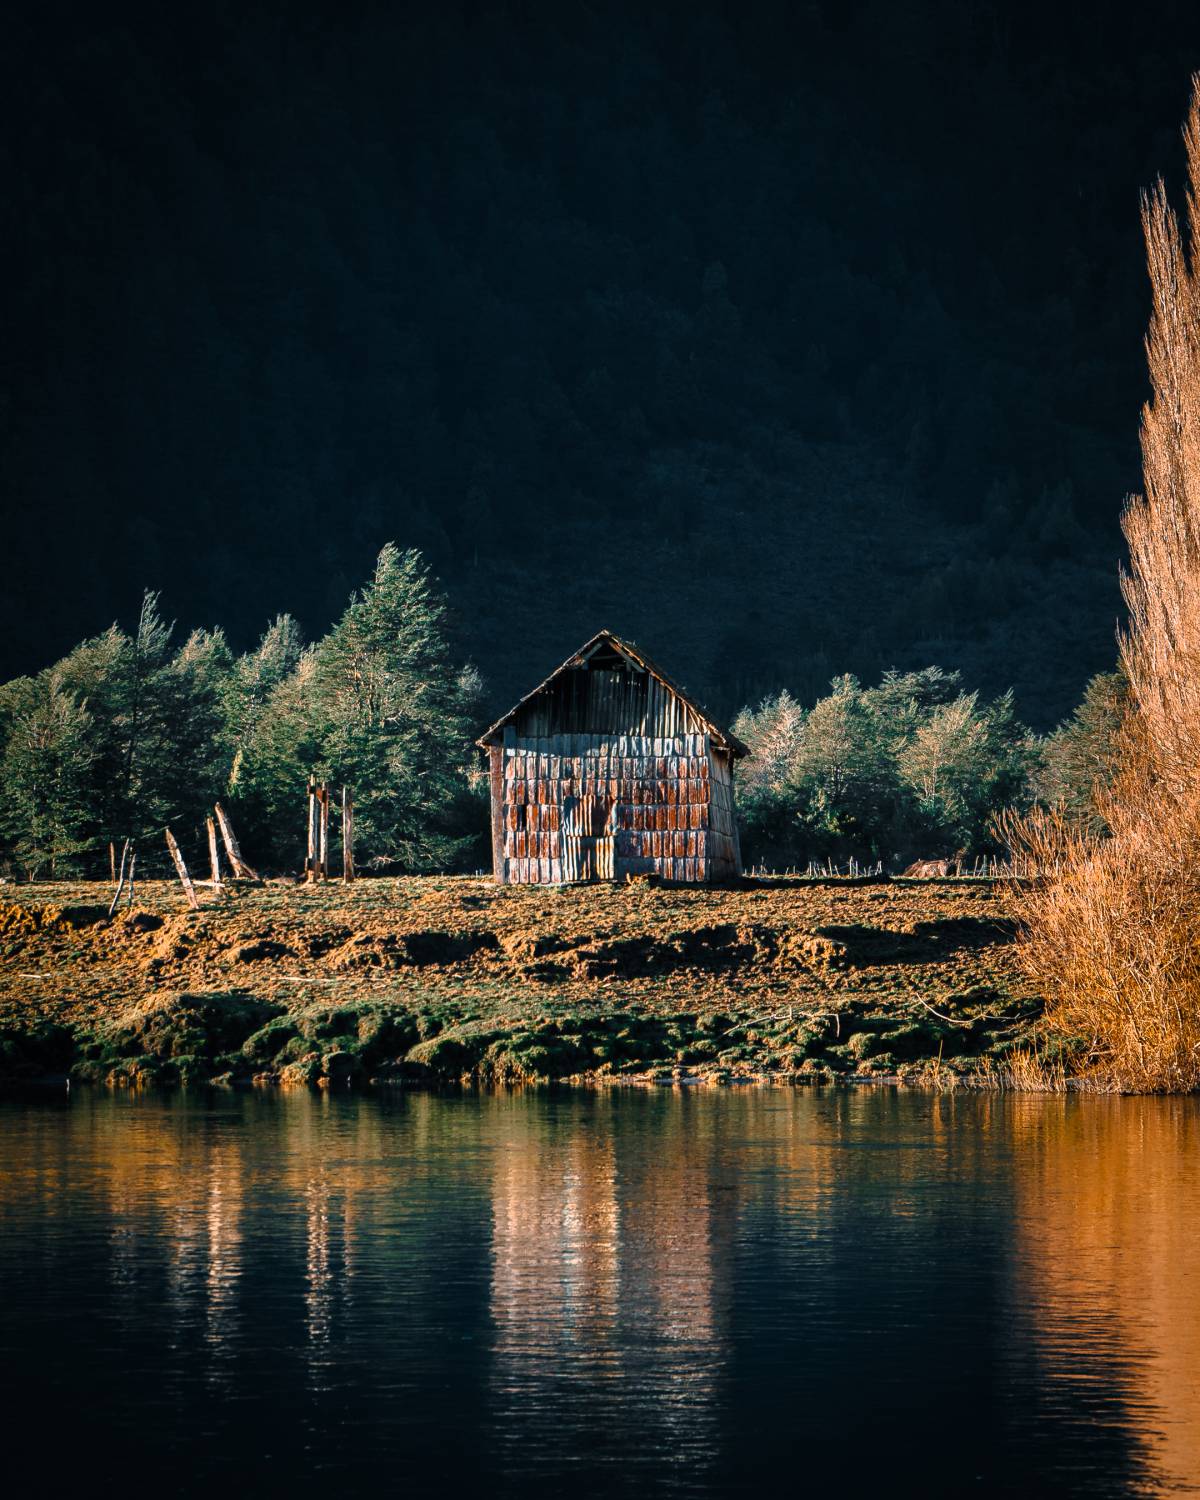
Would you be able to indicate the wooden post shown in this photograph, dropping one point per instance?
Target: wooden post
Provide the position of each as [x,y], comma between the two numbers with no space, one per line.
[347,834]
[241,870]
[120,879]
[214,861]
[185,880]
[310,858]
[132,867]
[317,863]
[112,861]
[323,798]
[310,847]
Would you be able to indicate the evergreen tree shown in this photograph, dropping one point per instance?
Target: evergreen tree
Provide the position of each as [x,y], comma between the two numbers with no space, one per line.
[193,690]
[46,764]
[156,726]
[1080,757]
[255,677]
[280,748]
[392,712]
[912,765]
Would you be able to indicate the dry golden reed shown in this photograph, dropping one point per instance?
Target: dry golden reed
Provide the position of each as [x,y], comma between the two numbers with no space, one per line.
[1111,931]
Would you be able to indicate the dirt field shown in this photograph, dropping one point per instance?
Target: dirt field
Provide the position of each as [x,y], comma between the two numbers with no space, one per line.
[440,978]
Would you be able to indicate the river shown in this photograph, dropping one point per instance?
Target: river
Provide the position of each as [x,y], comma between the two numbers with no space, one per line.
[681,1291]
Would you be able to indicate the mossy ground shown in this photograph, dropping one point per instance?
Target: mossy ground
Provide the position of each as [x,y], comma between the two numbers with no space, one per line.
[442,978]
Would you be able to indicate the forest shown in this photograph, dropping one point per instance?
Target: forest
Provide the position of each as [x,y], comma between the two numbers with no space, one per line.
[136,731]
[830,315]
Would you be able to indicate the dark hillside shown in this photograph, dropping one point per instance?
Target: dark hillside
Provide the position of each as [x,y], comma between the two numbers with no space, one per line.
[791,340]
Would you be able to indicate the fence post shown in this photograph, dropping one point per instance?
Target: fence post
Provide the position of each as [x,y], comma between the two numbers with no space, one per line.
[232,849]
[185,880]
[347,834]
[120,879]
[324,803]
[316,864]
[214,863]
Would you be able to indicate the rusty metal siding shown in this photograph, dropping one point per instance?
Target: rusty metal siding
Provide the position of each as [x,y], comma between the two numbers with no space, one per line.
[607,771]
[496,784]
[587,806]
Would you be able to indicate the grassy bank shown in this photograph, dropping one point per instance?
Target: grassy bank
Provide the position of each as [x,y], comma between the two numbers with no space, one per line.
[439,979]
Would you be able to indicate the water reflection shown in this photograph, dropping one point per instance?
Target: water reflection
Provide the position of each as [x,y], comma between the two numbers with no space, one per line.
[693,1293]
[1106,1282]
[602,1293]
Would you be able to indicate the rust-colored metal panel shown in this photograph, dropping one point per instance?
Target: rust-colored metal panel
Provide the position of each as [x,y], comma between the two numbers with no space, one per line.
[594,802]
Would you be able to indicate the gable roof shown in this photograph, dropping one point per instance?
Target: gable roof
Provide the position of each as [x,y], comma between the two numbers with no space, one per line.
[603,638]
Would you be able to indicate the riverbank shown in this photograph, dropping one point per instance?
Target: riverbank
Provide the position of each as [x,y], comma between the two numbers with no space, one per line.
[442,978]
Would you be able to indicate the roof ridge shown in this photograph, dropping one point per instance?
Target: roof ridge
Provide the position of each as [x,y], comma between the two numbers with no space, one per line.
[726,738]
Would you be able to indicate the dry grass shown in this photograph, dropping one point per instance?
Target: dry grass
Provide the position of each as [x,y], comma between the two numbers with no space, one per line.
[1112,931]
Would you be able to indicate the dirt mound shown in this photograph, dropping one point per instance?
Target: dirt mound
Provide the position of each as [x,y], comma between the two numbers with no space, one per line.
[427,949]
[717,948]
[18,922]
[263,948]
[527,947]
[419,950]
[950,933]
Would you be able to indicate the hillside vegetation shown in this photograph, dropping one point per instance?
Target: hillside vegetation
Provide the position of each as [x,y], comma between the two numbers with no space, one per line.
[775,317]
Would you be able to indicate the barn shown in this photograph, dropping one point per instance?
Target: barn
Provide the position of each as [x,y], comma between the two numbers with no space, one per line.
[608,769]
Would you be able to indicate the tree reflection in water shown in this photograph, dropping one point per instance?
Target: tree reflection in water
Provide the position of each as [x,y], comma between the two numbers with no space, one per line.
[547,1291]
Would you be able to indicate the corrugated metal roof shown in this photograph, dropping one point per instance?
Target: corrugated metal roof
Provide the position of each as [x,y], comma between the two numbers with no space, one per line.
[721,737]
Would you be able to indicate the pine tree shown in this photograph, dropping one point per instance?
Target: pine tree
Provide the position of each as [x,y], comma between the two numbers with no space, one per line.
[254,678]
[47,759]
[392,707]
[193,690]
[280,747]
[1080,758]
[156,725]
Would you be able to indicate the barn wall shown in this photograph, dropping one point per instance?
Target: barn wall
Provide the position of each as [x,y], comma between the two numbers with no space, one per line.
[725,855]
[608,773]
[600,807]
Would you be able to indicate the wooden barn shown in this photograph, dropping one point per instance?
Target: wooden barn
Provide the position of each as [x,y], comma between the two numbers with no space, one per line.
[607,770]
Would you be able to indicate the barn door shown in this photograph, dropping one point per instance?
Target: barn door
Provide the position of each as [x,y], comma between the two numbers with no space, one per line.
[588,838]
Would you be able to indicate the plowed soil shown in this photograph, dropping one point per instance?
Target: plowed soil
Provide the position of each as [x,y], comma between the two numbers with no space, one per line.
[511,982]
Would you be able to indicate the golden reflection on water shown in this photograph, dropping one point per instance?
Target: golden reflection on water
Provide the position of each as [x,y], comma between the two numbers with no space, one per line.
[611,1238]
[1107,1252]
[604,1277]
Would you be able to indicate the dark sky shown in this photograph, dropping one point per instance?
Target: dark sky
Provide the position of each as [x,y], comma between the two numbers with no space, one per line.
[788,339]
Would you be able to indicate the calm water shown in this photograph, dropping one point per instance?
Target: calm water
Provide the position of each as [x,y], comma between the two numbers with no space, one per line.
[682,1292]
